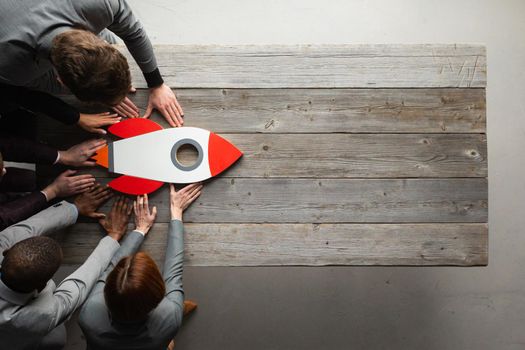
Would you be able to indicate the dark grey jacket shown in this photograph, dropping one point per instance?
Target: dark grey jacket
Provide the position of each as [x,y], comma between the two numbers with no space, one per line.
[28,27]
[158,330]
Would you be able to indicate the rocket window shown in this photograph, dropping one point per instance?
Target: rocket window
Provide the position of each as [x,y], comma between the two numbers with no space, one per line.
[181,154]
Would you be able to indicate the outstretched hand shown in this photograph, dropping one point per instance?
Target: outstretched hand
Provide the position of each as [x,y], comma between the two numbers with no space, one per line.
[88,202]
[116,222]
[126,107]
[181,199]
[163,99]
[80,154]
[94,123]
[144,218]
[68,184]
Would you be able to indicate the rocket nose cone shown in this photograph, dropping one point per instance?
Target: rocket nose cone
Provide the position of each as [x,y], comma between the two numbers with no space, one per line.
[221,154]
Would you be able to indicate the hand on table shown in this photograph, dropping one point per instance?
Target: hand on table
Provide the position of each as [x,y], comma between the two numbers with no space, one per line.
[163,99]
[181,199]
[116,222]
[89,201]
[144,218]
[80,154]
[94,123]
[66,184]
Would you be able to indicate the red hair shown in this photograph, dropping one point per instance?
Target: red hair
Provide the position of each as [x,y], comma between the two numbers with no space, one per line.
[134,288]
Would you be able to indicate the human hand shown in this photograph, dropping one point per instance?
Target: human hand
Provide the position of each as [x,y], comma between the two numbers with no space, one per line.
[144,218]
[180,200]
[116,222]
[88,202]
[126,107]
[164,100]
[79,155]
[66,185]
[95,122]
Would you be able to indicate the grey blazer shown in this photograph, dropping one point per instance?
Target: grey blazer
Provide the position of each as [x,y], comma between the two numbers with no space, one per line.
[35,320]
[158,330]
[29,27]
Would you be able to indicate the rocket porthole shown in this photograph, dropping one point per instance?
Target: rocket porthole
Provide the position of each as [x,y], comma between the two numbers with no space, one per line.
[182,143]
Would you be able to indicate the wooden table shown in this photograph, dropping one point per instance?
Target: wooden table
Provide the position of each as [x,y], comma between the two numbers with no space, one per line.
[353,155]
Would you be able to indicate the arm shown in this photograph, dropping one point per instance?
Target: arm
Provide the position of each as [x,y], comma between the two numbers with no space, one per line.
[73,290]
[21,208]
[23,150]
[172,271]
[42,102]
[128,28]
[52,219]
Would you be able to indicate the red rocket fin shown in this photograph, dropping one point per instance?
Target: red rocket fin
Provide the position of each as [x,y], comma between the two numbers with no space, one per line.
[134,185]
[221,154]
[133,127]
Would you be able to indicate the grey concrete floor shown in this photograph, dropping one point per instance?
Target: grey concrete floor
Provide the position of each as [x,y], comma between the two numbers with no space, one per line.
[374,307]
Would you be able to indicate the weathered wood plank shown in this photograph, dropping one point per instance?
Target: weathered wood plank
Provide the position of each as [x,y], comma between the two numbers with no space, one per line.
[348,155]
[306,244]
[319,66]
[333,201]
[328,110]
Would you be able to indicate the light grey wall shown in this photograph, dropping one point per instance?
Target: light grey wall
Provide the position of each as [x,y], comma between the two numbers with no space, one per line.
[370,308]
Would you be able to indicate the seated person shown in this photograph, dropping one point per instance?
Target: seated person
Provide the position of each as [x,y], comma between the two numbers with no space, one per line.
[14,181]
[32,308]
[133,305]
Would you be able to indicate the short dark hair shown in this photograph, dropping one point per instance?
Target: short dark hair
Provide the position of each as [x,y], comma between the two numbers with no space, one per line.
[31,263]
[92,69]
[134,288]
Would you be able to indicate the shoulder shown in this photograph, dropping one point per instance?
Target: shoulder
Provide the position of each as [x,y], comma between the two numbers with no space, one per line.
[166,318]
[96,13]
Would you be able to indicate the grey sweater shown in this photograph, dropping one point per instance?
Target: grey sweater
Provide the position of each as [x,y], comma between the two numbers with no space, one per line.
[158,330]
[28,27]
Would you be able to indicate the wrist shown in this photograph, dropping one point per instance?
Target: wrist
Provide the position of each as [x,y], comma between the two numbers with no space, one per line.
[63,158]
[50,192]
[176,214]
[143,229]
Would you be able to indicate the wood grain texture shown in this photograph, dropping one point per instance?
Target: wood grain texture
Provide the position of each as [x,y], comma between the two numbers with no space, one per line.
[350,155]
[318,66]
[327,110]
[333,201]
[306,244]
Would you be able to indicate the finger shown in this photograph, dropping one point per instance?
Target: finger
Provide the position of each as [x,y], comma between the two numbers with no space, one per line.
[130,208]
[131,105]
[148,112]
[82,177]
[179,108]
[81,188]
[167,116]
[172,189]
[110,121]
[154,212]
[135,208]
[98,131]
[175,115]
[132,90]
[194,190]
[97,215]
[115,203]
[130,112]
[101,193]
[121,111]
[88,163]
[146,204]
[194,197]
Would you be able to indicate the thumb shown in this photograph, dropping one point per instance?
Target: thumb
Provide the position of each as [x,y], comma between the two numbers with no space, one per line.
[132,90]
[149,110]
[100,216]
[100,131]
[154,212]
[88,163]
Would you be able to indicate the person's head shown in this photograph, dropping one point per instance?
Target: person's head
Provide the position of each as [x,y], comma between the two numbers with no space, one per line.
[134,288]
[91,68]
[30,264]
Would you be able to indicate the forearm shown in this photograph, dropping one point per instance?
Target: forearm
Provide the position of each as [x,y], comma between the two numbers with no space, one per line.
[50,220]
[173,263]
[41,102]
[21,209]
[73,290]
[24,150]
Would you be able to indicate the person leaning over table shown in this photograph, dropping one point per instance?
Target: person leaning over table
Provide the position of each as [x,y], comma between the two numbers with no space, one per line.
[49,45]
[133,305]
[32,308]
[15,183]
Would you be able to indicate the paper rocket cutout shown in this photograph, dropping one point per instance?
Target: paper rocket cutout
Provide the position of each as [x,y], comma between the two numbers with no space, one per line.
[147,155]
